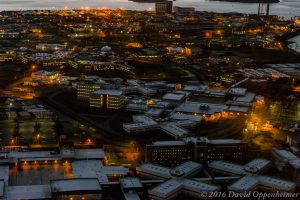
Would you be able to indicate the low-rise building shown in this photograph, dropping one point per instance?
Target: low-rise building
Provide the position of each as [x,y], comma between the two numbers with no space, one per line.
[288,164]
[110,99]
[85,89]
[170,153]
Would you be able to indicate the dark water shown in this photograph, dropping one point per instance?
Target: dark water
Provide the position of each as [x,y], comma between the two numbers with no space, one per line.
[286,8]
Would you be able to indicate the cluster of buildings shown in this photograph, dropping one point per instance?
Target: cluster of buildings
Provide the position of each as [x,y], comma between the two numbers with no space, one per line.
[15,108]
[42,77]
[166,106]
[191,166]
[173,110]
[83,173]
[291,69]
[198,149]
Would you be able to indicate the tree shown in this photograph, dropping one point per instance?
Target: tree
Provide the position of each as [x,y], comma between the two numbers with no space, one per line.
[58,129]
[37,128]
[36,131]
[16,133]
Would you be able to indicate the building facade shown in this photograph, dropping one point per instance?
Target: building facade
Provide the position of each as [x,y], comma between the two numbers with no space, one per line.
[170,153]
[163,7]
[109,99]
[85,89]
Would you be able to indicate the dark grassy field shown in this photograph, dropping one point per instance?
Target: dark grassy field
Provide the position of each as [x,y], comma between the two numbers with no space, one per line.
[9,72]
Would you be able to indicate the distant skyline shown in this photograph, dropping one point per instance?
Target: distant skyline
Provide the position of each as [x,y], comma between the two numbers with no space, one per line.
[286,8]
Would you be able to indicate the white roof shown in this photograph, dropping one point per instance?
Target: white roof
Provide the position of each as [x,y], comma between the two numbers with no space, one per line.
[138,106]
[237,91]
[15,155]
[108,92]
[276,183]
[251,182]
[246,183]
[173,129]
[167,188]
[197,186]
[89,154]
[130,182]
[174,96]
[186,168]
[144,119]
[200,108]
[154,170]
[242,109]
[137,125]
[227,167]
[284,154]
[145,90]
[168,143]
[75,185]
[195,88]
[258,163]
[182,116]
[115,170]
[172,187]
[86,168]
[295,163]
[248,98]
[44,73]
[140,121]
[154,112]
[29,192]
[253,167]
[95,169]
[224,141]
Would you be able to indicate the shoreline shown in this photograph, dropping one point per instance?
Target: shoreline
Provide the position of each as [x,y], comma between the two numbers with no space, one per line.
[286,9]
[250,1]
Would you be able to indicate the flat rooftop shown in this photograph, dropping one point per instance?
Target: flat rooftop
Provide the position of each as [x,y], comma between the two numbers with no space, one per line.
[225,141]
[95,169]
[174,96]
[131,182]
[29,192]
[89,154]
[253,167]
[200,108]
[168,143]
[237,91]
[154,170]
[182,116]
[167,188]
[173,129]
[75,185]
[186,168]
[108,92]
[248,98]
[251,182]
[195,88]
